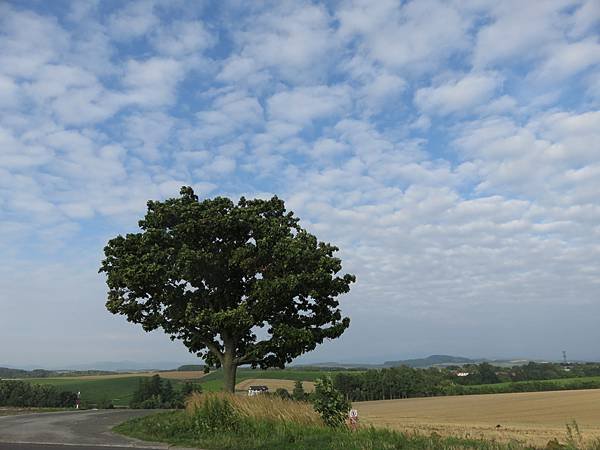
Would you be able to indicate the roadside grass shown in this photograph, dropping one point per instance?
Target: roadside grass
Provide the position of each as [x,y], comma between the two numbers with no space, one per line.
[9,411]
[94,392]
[181,428]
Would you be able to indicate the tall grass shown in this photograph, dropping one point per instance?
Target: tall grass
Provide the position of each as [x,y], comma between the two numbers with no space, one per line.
[259,407]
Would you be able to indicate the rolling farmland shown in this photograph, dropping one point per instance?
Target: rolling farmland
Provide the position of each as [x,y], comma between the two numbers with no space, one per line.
[116,388]
[532,417]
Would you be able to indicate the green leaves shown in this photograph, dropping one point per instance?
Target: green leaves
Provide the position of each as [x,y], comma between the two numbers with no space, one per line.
[211,272]
[330,403]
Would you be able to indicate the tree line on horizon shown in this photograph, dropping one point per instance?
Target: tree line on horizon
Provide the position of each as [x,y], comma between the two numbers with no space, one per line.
[484,378]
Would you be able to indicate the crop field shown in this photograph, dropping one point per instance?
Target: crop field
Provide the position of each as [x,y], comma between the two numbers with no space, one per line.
[273,384]
[531,417]
[214,381]
[116,388]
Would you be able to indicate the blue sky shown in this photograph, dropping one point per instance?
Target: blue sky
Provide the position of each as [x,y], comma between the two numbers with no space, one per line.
[451,149]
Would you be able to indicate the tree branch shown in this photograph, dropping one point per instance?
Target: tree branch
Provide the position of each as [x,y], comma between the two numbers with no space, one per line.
[213,347]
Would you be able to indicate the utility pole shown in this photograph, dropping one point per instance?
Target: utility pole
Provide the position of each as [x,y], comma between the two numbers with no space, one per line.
[564,352]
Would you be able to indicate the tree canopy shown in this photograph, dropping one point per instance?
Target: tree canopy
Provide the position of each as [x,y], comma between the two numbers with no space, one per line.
[237,283]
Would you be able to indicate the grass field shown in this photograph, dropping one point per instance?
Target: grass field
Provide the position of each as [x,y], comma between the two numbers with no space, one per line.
[531,417]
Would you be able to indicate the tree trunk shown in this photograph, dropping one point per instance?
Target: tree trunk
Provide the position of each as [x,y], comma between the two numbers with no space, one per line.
[229,372]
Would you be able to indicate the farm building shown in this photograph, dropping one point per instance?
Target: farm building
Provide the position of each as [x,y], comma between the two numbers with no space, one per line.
[255,390]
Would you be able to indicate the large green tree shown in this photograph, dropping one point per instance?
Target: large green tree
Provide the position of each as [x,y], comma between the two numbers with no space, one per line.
[239,284]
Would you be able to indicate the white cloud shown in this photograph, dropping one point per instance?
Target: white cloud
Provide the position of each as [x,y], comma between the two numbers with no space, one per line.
[9,93]
[412,37]
[183,38]
[306,104]
[327,148]
[331,107]
[458,95]
[152,82]
[295,40]
[133,20]
[25,45]
[518,31]
[566,60]
[585,17]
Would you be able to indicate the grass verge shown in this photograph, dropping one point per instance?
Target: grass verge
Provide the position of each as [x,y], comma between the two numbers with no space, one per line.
[178,428]
[15,411]
[224,421]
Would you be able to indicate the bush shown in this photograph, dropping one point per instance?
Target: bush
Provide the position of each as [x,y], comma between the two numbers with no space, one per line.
[154,393]
[330,403]
[23,394]
[283,394]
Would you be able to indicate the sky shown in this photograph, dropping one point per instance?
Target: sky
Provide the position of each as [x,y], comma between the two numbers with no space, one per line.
[450,149]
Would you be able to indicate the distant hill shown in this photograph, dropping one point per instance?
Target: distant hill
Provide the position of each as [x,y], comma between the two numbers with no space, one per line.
[433,360]
[127,366]
[6,372]
[191,368]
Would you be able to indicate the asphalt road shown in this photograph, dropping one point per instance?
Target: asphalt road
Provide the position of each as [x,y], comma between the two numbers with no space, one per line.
[76,430]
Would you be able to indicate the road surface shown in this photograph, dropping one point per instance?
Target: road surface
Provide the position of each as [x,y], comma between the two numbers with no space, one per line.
[73,430]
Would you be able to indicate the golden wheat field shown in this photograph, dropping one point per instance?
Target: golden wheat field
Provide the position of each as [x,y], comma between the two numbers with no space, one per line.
[532,417]
[273,384]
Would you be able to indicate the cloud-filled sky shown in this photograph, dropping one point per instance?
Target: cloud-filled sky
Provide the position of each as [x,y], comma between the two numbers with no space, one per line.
[451,149]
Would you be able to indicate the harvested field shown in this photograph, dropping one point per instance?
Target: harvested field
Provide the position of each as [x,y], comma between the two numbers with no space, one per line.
[532,417]
[273,384]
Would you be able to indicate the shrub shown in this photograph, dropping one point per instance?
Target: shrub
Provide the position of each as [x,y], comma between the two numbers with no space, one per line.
[298,392]
[214,414]
[24,394]
[283,394]
[330,403]
[154,393]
